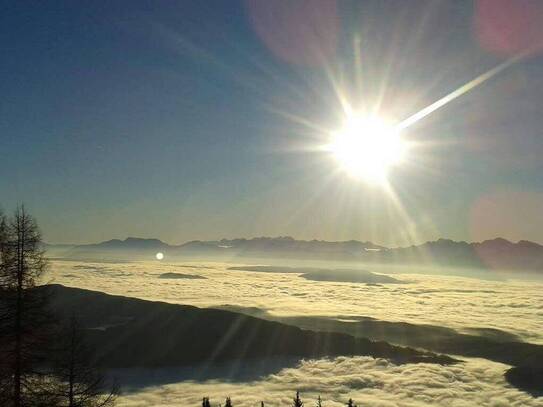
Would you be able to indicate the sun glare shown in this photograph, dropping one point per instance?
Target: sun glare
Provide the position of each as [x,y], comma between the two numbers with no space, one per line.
[159,256]
[366,148]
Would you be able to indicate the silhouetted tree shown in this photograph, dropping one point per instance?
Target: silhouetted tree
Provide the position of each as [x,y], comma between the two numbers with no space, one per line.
[350,403]
[23,317]
[3,236]
[319,402]
[228,402]
[297,402]
[205,402]
[261,404]
[5,371]
[79,383]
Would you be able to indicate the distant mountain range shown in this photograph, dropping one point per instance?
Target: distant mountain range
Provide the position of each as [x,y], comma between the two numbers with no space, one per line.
[255,247]
[130,243]
[497,253]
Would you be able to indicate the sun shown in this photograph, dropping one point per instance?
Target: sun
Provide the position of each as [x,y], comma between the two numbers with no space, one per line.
[367,147]
[159,256]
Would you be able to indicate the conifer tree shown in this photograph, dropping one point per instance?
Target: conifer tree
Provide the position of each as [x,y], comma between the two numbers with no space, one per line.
[297,402]
[5,371]
[24,321]
[79,383]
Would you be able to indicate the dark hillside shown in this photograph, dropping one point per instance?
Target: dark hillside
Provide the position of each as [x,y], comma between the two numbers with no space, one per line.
[128,332]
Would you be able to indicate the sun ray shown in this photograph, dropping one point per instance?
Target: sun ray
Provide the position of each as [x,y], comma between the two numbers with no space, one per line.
[460,91]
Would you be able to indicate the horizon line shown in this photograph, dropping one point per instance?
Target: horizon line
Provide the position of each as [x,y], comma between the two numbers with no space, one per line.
[296,239]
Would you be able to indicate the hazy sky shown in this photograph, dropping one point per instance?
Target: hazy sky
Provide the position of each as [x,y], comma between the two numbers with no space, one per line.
[200,120]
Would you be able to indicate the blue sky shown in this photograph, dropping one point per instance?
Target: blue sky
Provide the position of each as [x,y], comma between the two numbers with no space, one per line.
[168,119]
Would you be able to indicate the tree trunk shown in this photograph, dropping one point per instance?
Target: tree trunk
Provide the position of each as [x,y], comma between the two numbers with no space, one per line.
[17,391]
[71,375]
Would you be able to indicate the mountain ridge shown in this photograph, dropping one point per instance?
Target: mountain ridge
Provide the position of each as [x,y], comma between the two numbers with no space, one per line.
[497,253]
[123,331]
[127,240]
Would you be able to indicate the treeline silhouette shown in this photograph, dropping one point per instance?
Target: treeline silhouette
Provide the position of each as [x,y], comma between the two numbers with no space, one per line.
[44,360]
[296,402]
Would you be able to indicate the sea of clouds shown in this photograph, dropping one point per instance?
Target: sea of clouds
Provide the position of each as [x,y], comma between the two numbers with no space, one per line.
[511,305]
[370,382]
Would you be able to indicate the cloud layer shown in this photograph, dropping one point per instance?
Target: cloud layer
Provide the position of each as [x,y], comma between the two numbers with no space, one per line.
[369,382]
[514,306]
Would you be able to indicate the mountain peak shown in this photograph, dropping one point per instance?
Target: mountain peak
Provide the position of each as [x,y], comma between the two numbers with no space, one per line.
[141,239]
[128,244]
[497,241]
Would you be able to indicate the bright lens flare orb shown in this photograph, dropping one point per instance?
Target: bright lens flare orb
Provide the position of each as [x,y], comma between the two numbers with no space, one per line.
[366,148]
[159,256]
